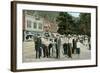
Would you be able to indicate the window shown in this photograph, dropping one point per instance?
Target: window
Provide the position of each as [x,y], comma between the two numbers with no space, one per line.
[29,24]
[40,26]
[35,25]
[37,17]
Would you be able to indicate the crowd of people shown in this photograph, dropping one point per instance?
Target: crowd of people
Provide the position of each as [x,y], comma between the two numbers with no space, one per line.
[60,45]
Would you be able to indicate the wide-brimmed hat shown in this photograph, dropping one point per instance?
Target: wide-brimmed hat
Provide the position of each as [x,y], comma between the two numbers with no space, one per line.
[69,36]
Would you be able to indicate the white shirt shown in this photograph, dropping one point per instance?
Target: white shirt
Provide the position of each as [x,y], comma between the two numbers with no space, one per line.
[66,40]
[78,44]
[70,40]
[45,41]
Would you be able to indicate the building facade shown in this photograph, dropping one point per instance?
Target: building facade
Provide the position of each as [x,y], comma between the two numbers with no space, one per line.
[35,25]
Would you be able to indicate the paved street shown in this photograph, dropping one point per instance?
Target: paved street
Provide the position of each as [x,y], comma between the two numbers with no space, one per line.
[29,54]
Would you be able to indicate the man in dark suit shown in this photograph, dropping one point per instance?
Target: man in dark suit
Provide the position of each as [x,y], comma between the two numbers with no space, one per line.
[74,46]
[38,45]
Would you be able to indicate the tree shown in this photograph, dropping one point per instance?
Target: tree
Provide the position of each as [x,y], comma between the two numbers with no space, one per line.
[65,23]
[85,23]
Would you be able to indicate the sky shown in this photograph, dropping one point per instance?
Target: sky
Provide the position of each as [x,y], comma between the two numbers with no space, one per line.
[75,14]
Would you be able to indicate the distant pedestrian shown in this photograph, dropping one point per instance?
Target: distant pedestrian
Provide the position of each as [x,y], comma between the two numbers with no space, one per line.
[58,46]
[78,47]
[49,49]
[38,45]
[55,40]
[65,46]
[74,46]
[69,47]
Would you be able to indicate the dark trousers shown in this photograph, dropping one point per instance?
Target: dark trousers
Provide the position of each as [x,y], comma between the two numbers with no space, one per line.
[65,48]
[78,50]
[38,52]
[49,47]
[56,51]
[45,50]
[74,48]
[65,51]
[69,50]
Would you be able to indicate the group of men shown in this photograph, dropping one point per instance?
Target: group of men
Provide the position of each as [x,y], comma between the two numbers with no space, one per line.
[47,47]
